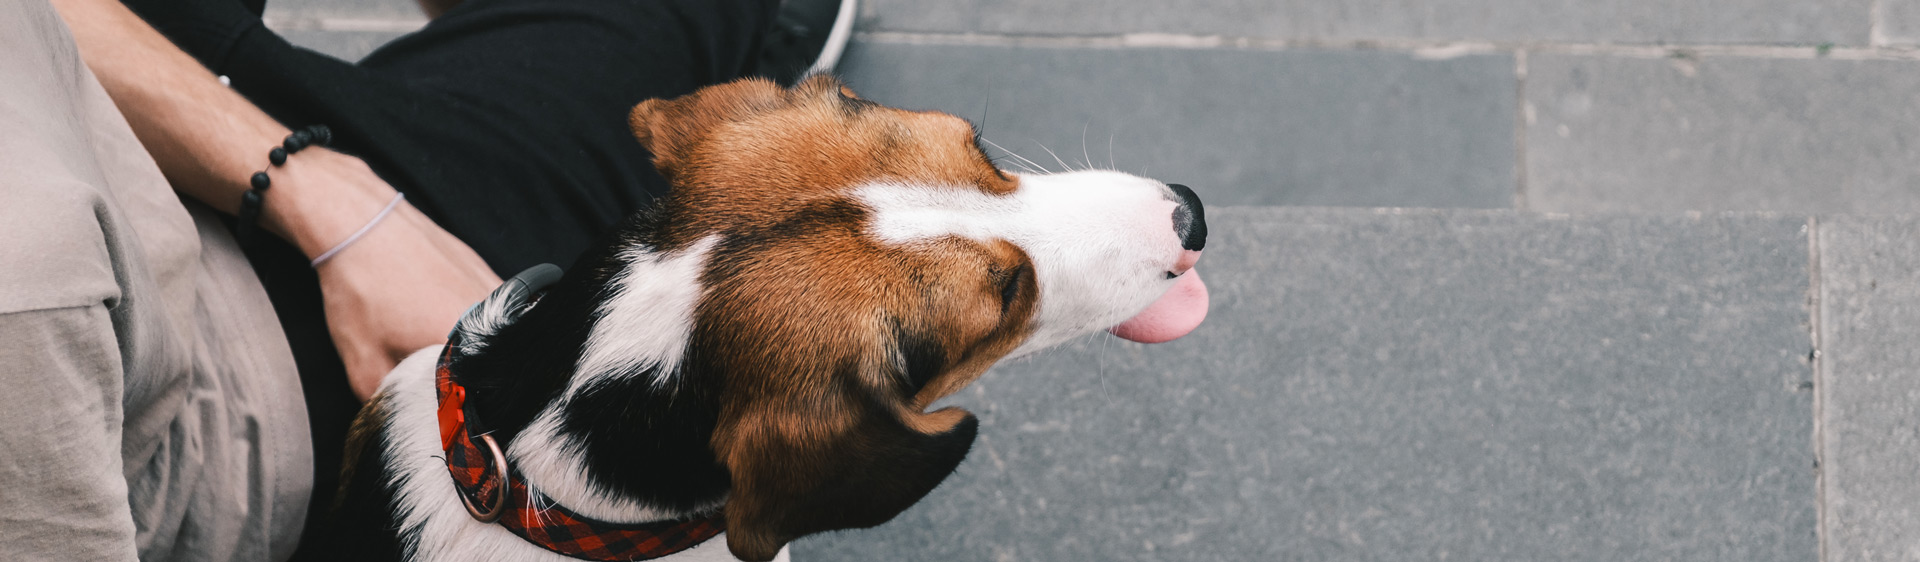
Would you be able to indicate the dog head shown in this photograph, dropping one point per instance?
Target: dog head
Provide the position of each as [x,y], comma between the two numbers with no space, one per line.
[842,265]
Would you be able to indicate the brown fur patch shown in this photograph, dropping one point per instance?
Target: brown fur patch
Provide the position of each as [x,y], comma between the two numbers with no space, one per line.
[831,345]
[364,431]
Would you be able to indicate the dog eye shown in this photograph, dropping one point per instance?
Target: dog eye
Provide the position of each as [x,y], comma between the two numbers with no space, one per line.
[1010,287]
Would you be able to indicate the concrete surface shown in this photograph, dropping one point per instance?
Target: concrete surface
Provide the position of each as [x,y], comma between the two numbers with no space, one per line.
[346,29]
[347,10]
[1583,21]
[344,45]
[1722,133]
[1870,414]
[1349,128]
[1898,21]
[1420,385]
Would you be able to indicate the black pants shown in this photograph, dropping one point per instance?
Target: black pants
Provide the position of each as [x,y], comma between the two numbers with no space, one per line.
[503,120]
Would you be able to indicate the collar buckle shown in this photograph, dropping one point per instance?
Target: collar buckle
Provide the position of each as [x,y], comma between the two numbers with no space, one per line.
[498,505]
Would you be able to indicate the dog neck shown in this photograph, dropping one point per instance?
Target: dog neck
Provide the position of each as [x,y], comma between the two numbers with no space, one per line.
[587,388]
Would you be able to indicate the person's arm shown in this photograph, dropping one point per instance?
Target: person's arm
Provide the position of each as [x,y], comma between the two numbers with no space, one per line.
[396,290]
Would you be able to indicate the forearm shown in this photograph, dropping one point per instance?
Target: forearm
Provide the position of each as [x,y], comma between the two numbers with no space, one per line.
[209,140]
[394,291]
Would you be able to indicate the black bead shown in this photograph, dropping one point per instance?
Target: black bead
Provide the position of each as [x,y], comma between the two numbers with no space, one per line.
[296,141]
[249,217]
[277,156]
[261,181]
[320,134]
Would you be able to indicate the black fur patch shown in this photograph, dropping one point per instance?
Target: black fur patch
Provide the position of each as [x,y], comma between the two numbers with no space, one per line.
[362,524]
[647,444]
[922,358]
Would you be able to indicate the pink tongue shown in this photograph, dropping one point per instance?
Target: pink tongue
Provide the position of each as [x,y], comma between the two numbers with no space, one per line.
[1175,314]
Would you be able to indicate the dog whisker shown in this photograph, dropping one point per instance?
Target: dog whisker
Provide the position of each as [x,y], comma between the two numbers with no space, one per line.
[1083,144]
[986,106]
[1030,165]
[1004,152]
[1024,162]
[1111,163]
[1063,163]
[542,511]
[1106,340]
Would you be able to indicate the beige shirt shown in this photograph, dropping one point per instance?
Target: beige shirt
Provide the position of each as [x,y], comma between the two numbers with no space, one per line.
[149,404]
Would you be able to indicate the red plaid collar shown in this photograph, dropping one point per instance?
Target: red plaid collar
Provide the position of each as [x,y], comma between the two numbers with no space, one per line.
[477,466]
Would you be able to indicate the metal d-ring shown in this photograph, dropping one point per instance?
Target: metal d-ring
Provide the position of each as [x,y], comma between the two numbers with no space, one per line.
[499,494]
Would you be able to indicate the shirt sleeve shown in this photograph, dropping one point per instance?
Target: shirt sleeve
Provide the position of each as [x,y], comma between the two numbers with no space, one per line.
[62,492]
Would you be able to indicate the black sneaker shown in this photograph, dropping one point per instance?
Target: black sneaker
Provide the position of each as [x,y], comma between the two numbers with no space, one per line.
[807,37]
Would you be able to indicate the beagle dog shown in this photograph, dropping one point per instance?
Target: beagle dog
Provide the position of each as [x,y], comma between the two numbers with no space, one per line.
[754,359]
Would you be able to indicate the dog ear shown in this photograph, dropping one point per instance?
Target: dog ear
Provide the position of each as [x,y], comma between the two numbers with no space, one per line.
[671,128]
[853,462]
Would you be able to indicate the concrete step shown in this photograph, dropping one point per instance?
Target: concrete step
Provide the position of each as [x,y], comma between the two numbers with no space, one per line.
[1553,128]
[1468,385]
[1247,127]
[345,29]
[1844,22]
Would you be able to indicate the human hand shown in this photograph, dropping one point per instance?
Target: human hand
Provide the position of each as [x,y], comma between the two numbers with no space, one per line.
[399,288]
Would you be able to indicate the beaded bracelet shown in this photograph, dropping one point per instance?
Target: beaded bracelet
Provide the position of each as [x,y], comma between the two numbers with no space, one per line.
[249,224]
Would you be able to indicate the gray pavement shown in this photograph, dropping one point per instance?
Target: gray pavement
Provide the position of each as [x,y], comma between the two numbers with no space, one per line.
[1722,133]
[1347,128]
[352,10]
[347,45]
[345,29]
[1589,21]
[1899,21]
[1414,385]
[1870,404]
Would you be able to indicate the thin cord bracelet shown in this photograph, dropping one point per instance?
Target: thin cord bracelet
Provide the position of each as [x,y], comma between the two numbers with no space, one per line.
[362,232]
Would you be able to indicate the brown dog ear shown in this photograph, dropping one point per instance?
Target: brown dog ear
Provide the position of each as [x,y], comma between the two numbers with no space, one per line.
[671,128]
[642,118]
[793,477]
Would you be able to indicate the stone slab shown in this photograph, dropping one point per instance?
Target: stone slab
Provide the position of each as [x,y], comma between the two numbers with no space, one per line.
[1870,377]
[1899,22]
[1418,386]
[366,10]
[344,45]
[1843,22]
[1722,133]
[1297,127]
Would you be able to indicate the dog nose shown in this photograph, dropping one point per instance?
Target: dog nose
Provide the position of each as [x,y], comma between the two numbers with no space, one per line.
[1190,224]
[1189,219]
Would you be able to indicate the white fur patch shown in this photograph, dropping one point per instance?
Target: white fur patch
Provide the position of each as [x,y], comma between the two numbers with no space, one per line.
[646,322]
[1101,242]
[428,504]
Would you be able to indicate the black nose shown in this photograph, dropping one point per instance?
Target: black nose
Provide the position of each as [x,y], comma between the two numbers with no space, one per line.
[1189,219]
